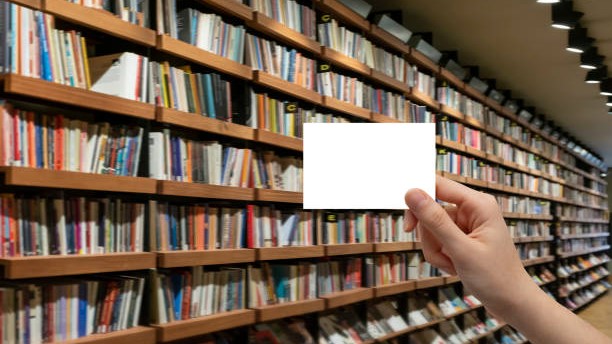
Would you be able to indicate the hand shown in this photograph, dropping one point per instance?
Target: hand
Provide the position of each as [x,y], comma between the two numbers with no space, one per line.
[470,239]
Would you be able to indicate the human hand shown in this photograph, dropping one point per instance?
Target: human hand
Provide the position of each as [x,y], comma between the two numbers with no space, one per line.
[470,239]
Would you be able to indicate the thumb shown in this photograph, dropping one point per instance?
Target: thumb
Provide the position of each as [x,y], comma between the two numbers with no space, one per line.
[433,217]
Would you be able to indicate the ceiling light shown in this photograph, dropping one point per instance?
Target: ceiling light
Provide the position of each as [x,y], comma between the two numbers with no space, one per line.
[590,59]
[564,16]
[605,87]
[609,102]
[596,75]
[548,1]
[578,41]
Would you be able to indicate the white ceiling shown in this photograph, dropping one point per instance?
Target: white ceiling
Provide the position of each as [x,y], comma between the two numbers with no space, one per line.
[512,41]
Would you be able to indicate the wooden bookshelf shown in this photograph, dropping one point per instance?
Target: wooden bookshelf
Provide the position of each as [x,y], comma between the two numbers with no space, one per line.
[535,239]
[380,247]
[288,309]
[51,266]
[451,112]
[347,297]
[389,40]
[583,252]
[346,108]
[278,140]
[290,252]
[579,236]
[38,177]
[199,56]
[33,4]
[391,82]
[206,124]
[232,8]
[459,147]
[339,59]
[583,220]
[475,152]
[476,182]
[284,34]
[138,334]
[174,259]
[380,118]
[430,282]
[286,87]
[463,311]
[184,189]
[451,279]
[474,93]
[278,196]
[100,20]
[396,334]
[48,91]
[344,249]
[394,288]
[477,338]
[452,79]
[342,13]
[539,260]
[182,329]
[423,99]
[418,245]
[474,122]
[417,57]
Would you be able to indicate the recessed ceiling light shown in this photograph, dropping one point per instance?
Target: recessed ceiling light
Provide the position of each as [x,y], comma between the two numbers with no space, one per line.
[564,16]
[605,87]
[609,102]
[590,59]
[548,1]
[578,41]
[596,75]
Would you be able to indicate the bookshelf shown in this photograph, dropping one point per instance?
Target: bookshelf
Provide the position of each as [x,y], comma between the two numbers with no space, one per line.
[44,93]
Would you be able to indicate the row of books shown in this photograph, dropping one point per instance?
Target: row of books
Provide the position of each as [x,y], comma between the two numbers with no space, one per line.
[522,204]
[532,250]
[449,161]
[523,228]
[395,66]
[451,334]
[40,226]
[360,227]
[290,13]
[580,212]
[272,284]
[132,11]
[389,268]
[338,275]
[40,140]
[207,31]
[34,47]
[181,159]
[181,294]
[282,62]
[585,295]
[586,198]
[580,264]
[578,228]
[383,318]
[67,309]
[575,245]
[541,275]
[580,280]
[337,37]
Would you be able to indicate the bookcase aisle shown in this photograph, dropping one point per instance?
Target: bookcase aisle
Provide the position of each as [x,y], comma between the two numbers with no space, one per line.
[151,174]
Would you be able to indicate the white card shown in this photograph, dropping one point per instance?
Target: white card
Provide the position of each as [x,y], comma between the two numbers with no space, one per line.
[367,165]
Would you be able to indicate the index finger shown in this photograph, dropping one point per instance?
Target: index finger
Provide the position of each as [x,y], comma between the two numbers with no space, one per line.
[453,192]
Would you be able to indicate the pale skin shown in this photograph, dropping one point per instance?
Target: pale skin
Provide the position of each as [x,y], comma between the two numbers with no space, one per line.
[471,239]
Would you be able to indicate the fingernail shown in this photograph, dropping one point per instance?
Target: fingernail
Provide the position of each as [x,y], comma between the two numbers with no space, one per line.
[414,198]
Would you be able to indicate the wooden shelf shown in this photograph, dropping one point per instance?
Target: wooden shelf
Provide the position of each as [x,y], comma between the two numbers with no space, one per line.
[337,58]
[380,118]
[475,152]
[184,189]
[452,79]
[282,33]
[474,122]
[198,326]
[454,177]
[393,246]
[206,124]
[278,196]
[394,288]
[534,239]
[199,56]
[583,252]
[463,311]
[474,93]
[583,220]
[423,61]
[38,177]
[347,297]
[46,90]
[98,20]
[33,4]
[274,139]
[418,245]
[587,235]
[423,98]
[451,279]
[139,334]
[476,182]
[173,259]
[477,338]
[430,282]
[291,252]
[346,108]
[390,81]
[395,334]
[388,39]
[233,8]
[288,309]
[539,260]
[49,266]
[343,13]
[286,87]
[344,249]
[452,144]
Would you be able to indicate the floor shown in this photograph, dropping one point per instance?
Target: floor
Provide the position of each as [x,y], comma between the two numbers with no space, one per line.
[599,314]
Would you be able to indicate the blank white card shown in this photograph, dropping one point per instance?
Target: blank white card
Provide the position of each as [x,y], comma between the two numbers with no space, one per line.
[367,165]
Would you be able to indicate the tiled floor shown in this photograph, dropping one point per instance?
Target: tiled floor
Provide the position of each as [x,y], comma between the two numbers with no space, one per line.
[599,314]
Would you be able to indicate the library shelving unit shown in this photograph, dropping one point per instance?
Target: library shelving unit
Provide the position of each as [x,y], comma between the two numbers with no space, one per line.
[581,184]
